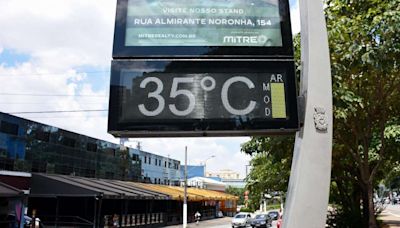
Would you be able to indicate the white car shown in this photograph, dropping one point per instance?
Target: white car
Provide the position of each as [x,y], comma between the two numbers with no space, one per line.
[241,220]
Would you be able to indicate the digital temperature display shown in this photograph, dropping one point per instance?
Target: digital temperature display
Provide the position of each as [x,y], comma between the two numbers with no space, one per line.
[161,98]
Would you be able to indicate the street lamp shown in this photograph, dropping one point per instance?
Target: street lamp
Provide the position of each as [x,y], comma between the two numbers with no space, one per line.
[205,163]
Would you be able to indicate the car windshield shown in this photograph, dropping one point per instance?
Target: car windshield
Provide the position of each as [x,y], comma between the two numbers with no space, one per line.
[240,216]
[261,216]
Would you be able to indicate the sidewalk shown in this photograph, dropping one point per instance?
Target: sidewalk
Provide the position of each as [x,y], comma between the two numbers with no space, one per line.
[226,221]
[390,220]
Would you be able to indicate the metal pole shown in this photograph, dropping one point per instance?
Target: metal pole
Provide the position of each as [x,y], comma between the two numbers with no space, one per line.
[185,193]
[308,192]
[95,212]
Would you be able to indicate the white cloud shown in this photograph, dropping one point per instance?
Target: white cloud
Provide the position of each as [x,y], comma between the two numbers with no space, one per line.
[17,80]
[60,36]
[295,18]
[226,151]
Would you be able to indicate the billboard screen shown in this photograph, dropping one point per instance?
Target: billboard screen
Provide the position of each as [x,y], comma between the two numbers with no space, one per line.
[202,28]
[203,23]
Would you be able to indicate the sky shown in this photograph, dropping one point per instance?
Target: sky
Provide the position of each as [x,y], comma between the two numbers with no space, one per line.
[56,55]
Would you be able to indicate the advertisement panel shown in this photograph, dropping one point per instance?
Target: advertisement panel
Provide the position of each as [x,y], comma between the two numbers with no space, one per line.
[203,23]
[190,28]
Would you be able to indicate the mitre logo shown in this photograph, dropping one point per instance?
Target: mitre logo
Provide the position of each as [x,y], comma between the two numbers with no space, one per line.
[245,39]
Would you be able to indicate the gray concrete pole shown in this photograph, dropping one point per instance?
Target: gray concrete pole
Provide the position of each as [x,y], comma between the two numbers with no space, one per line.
[185,193]
[308,192]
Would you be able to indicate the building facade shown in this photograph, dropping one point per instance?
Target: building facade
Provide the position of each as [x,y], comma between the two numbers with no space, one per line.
[158,169]
[224,174]
[29,146]
[229,177]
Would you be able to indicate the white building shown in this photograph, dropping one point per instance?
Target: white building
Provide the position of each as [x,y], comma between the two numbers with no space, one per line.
[224,174]
[206,183]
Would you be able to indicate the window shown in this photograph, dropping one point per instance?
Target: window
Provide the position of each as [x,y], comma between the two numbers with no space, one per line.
[109,151]
[165,164]
[109,175]
[91,147]
[145,159]
[159,162]
[3,152]
[9,128]
[135,157]
[156,161]
[42,135]
[149,160]
[39,166]
[66,141]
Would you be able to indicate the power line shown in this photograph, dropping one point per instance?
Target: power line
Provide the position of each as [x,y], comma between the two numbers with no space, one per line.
[62,117]
[63,111]
[25,75]
[47,103]
[50,95]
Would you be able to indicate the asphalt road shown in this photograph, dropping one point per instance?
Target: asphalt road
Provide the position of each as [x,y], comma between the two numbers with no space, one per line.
[214,223]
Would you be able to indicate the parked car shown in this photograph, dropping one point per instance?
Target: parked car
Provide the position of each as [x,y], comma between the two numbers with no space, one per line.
[261,220]
[274,215]
[241,220]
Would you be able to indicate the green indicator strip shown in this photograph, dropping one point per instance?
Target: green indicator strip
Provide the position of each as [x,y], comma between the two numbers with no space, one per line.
[278,100]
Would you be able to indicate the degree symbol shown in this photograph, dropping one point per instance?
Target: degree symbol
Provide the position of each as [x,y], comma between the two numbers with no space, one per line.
[207,87]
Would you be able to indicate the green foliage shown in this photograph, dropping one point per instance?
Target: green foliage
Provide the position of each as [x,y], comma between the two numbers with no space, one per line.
[239,192]
[365,52]
[270,166]
[273,207]
[245,209]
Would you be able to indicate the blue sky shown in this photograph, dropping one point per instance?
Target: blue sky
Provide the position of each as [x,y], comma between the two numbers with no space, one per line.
[10,58]
[67,50]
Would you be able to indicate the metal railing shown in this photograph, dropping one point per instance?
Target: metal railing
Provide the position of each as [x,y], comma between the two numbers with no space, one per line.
[133,220]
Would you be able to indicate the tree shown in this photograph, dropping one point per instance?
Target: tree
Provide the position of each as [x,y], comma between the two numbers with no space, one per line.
[239,192]
[270,166]
[365,54]
[125,162]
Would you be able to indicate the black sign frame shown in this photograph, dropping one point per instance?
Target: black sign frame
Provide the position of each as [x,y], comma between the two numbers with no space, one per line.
[122,51]
[202,127]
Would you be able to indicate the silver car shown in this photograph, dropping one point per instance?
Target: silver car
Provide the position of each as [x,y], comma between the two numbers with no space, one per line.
[241,220]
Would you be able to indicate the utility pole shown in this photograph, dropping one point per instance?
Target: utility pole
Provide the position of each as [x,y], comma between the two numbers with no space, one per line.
[185,193]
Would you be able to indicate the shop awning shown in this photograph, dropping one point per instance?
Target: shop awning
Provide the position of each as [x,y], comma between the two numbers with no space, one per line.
[49,185]
[9,191]
[176,193]
[194,194]
[45,185]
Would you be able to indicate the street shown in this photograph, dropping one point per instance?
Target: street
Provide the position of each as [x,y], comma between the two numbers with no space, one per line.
[391,216]
[214,223]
